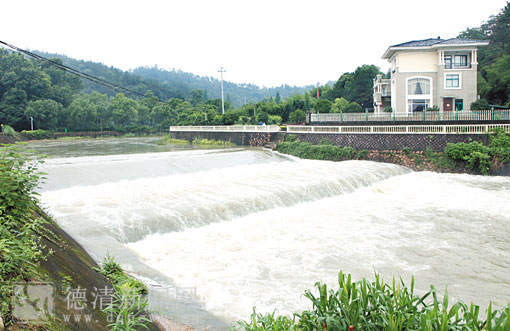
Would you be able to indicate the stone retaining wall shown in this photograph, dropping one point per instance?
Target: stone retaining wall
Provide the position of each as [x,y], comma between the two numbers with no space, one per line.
[414,142]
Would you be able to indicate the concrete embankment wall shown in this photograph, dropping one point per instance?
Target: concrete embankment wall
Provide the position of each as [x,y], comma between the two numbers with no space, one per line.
[415,142]
[255,139]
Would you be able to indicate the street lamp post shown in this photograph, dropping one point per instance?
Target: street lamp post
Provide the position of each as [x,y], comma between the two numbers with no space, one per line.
[222,100]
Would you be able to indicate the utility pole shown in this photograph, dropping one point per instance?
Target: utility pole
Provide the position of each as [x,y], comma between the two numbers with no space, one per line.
[222,100]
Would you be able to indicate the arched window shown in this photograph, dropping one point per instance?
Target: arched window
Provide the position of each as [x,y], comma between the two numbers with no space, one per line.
[419,94]
[418,86]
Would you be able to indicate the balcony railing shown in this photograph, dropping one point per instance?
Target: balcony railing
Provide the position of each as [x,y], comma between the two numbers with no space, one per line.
[464,115]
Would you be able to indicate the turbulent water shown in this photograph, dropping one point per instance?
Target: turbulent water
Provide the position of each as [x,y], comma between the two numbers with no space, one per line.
[245,228]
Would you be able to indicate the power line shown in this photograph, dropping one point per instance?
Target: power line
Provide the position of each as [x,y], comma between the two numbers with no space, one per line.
[73,71]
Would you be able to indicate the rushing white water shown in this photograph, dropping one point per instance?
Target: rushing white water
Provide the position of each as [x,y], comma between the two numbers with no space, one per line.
[252,228]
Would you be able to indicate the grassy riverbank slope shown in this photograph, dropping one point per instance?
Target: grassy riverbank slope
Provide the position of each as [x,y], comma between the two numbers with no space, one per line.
[48,281]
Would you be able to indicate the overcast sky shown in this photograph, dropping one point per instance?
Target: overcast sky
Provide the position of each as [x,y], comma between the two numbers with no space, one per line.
[264,42]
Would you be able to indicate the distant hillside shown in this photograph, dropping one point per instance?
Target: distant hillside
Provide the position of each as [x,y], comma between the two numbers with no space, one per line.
[172,84]
[238,94]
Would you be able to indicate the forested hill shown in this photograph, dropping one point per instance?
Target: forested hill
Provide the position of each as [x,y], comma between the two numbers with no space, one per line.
[238,94]
[172,84]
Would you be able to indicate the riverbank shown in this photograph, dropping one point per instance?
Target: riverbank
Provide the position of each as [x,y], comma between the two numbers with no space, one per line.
[49,282]
[470,158]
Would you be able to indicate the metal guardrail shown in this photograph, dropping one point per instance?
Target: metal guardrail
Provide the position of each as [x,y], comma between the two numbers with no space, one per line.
[398,129]
[464,115]
[227,128]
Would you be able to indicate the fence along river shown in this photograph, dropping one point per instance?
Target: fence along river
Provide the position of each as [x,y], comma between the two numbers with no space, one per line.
[247,227]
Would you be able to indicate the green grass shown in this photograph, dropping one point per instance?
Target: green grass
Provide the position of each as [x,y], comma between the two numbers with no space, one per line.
[167,140]
[376,305]
[114,272]
[212,142]
[324,151]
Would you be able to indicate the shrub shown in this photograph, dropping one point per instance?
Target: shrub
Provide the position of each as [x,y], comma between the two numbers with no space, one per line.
[433,108]
[212,142]
[499,145]
[297,116]
[480,104]
[8,130]
[325,141]
[324,151]
[36,134]
[362,154]
[376,305]
[114,272]
[20,231]
[388,109]
[461,151]
[168,140]
[274,120]
[353,107]
[127,310]
[290,137]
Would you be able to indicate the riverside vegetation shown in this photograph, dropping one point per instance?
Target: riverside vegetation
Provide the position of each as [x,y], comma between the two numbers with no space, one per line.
[57,100]
[472,157]
[377,305]
[34,249]
[168,140]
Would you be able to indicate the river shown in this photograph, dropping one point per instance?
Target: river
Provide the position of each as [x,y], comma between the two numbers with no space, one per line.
[216,232]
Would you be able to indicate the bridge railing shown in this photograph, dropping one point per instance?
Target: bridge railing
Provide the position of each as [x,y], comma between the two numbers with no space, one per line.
[464,115]
[399,129]
[227,128]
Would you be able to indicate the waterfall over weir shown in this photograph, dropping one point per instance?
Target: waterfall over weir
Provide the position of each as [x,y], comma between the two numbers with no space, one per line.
[129,210]
[248,228]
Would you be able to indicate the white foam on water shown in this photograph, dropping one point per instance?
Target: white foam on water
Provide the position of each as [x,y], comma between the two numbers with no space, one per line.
[251,228]
[443,229]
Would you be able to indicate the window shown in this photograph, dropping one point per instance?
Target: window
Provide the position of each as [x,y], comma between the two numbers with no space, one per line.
[452,81]
[448,62]
[419,93]
[460,61]
[459,104]
[456,62]
[418,105]
[418,86]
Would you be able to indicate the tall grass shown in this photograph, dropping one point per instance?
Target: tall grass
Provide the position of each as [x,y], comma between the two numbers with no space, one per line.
[376,305]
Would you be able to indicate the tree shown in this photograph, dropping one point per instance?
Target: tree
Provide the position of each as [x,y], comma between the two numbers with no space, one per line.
[323,106]
[341,88]
[353,107]
[124,110]
[361,90]
[101,103]
[197,96]
[12,108]
[339,105]
[297,116]
[81,113]
[262,117]
[162,116]
[44,112]
[277,99]
[498,78]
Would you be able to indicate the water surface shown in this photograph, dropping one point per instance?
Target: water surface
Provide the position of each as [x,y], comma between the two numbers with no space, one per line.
[246,227]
